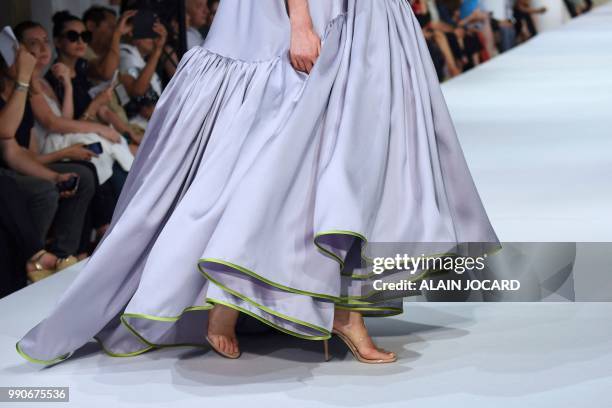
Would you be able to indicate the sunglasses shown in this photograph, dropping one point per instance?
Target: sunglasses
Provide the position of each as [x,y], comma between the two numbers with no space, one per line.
[73,36]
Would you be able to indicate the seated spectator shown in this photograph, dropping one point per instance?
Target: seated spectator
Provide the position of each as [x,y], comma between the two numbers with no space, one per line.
[56,127]
[213,5]
[103,59]
[23,257]
[102,51]
[71,40]
[147,17]
[465,45]
[478,20]
[577,7]
[525,27]
[437,42]
[48,208]
[198,16]
[505,27]
[139,59]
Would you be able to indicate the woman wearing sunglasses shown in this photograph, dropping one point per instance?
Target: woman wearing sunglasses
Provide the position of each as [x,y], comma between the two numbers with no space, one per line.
[62,137]
[67,97]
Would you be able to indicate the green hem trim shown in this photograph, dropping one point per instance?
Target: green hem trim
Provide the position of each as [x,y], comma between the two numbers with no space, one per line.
[335,299]
[363,249]
[358,301]
[37,361]
[265,280]
[131,354]
[150,344]
[259,306]
[167,318]
[269,323]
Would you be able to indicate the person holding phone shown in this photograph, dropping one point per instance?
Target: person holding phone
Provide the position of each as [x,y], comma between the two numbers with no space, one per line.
[58,194]
[71,40]
[139,60]
[56,127]
[103,58]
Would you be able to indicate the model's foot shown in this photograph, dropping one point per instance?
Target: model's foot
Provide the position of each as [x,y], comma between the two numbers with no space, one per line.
[351,324]
[222,329]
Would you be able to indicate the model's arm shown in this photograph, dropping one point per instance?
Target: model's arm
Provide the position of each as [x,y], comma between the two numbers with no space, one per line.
[305,43]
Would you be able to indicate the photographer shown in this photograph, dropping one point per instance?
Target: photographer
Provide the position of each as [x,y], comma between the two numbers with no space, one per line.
[139,60]
[103,56]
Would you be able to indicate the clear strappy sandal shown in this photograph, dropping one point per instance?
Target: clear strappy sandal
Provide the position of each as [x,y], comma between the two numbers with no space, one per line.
[221,352]
[355,351]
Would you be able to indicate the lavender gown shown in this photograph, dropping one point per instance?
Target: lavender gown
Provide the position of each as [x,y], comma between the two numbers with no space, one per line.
[254,182]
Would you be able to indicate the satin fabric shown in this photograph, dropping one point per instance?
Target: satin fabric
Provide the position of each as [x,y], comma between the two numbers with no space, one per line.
[257,186]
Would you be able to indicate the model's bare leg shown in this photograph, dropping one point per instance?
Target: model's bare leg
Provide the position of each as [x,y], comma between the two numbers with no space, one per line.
[222,328]
[351,324]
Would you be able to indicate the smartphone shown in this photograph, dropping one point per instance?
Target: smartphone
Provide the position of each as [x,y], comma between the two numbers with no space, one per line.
[115,80]
[94,147]
[69,185]
[8,45]
[122,95]
[142,24]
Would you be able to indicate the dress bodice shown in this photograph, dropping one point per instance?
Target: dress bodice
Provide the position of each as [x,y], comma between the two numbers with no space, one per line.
[239,24]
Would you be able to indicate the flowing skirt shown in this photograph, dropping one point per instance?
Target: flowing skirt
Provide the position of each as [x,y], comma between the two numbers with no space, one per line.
[258,187]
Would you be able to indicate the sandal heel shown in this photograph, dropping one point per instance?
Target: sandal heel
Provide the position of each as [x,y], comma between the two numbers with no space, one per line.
[355,351]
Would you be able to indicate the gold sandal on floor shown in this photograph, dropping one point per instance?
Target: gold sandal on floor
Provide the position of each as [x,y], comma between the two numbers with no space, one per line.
[354,350]
[39,272]
[63,263]
[221,352]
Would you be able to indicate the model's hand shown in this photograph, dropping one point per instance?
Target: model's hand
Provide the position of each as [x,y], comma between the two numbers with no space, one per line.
[305,48]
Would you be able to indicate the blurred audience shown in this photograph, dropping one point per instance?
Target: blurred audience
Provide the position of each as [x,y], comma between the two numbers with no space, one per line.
[524,25]
[53,211]
[140,56]
[103,57]
[198,16]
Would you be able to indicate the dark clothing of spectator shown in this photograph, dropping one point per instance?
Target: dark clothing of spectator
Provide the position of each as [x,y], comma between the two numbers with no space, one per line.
[80,87]
[25,127]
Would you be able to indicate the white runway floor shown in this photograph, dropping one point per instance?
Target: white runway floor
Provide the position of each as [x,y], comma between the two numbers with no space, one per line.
[536,128]
[535,124]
